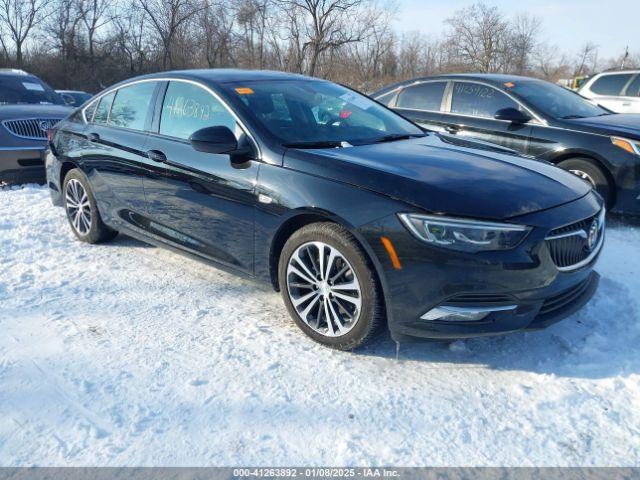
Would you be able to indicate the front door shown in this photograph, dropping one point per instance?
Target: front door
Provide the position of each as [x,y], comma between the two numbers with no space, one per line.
[198,201]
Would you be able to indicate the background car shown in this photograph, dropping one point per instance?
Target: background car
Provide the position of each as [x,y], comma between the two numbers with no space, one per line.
[535,118]
[353,212]
[28,108]
[618,91]
[74,98]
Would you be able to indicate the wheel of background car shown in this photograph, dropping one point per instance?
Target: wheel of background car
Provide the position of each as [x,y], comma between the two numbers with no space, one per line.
[587,170]
[328,286]
[82,212]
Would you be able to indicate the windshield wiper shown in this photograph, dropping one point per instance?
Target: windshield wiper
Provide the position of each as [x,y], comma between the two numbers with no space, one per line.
[398,136]
[316,144]
[568,117]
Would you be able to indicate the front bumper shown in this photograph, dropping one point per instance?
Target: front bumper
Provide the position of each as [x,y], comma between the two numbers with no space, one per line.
[22,165]
[522,288]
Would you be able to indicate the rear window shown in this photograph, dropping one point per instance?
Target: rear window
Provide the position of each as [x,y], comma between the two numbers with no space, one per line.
[633,90]
[424,96]
[610,84]
[131,106]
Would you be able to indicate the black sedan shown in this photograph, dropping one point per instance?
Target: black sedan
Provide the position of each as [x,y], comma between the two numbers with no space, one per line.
[353,212]
[535,118]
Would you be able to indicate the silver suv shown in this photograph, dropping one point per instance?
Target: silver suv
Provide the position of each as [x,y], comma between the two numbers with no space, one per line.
[28,108]
[618,91]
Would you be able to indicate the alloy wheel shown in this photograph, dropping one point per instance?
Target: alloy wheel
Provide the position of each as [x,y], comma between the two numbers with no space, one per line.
[324,289]
[78,207]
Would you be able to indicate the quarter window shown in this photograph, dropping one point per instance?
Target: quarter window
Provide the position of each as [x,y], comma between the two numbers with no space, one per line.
[187,108]
[633,90]
[131,105]
[102,112]
[610,84]
[424,96]
[479,100]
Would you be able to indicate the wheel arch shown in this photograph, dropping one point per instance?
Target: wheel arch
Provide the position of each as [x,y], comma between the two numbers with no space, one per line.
[65,168]
[597,160]
[303,217]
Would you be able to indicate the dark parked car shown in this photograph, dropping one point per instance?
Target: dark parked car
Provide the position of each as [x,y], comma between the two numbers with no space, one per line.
[28,108]
[353,212]
[535,118]
[74,98]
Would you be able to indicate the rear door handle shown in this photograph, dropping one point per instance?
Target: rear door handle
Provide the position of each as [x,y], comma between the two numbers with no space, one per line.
[93,137]
[156,156]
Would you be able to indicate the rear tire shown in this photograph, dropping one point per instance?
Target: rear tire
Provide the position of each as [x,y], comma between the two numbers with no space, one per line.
[82,210]
[336,294]
[589,171]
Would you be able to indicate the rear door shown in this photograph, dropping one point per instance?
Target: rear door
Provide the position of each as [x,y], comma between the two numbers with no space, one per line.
[114,157]
[470,109]
[422,103]
[201,202]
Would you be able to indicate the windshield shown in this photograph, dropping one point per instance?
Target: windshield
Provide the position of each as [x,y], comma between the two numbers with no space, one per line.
[20,89]
[554,100]
[319,114]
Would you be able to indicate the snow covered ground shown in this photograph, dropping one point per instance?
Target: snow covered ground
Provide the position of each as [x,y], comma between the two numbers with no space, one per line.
[125,354]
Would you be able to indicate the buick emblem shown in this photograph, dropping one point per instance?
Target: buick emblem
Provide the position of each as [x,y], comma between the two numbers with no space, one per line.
[592,234]
[45,125]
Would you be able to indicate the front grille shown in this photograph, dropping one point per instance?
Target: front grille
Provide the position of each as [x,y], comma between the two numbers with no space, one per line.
[34,128]
[572,245]
[563,299]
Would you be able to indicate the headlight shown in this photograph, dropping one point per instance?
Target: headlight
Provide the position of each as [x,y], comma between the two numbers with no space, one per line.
[464,235]
[629,145]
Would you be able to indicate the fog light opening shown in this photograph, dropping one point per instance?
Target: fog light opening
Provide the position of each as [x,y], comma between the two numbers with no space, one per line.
[448,313]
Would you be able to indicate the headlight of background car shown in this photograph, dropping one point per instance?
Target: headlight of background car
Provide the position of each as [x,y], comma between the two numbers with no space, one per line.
[630,146]
[464,235]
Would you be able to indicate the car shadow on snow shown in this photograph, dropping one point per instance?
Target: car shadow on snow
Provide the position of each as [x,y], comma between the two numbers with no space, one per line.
[600,341]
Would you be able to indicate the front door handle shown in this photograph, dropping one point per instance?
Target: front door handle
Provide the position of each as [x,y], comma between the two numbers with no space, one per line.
[156,156]
[93,137]
[453,129]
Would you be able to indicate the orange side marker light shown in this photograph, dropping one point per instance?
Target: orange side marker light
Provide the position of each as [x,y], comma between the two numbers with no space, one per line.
[395,261]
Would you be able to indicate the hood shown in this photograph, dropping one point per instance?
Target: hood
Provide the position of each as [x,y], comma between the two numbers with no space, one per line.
[439,175]
[622,124]
[11,112]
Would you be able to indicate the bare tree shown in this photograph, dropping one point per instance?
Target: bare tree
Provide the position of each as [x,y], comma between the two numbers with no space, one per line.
[479,36]
[94,14]
[131,36]
[321,26]
[588,54]
[167,16]
[18,17]
[524,41]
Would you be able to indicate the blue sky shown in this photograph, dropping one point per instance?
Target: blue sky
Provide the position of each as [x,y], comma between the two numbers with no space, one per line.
[568,24]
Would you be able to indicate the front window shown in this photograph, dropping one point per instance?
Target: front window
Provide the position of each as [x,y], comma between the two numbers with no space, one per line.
[478,100]
[24,89]
[554,100]
[316,112]
[188,108]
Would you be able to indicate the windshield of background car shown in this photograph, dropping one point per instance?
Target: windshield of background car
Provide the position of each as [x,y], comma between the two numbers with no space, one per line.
[554,100]
[19,89]
[316,111]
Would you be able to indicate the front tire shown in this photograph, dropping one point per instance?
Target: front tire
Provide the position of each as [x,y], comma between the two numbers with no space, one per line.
[329,288]
[82,210]
[592,173]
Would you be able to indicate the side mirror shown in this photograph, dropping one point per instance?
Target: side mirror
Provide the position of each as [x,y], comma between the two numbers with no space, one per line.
[512,115]
[214,140]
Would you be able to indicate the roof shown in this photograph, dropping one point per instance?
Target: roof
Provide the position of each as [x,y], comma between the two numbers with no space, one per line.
[496,79]
[224,75]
